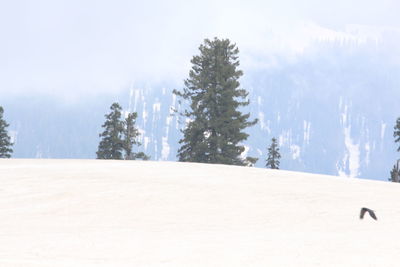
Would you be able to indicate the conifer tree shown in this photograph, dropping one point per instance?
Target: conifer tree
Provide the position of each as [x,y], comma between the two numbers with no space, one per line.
[395,173]
[272,161]
[119,136]
[130,135]
[396,133]
[130,138]
[111,145]
[215,128]
[5,140]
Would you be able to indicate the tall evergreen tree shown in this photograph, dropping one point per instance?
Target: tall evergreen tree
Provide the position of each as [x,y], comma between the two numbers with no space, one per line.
[272,161]
[130,138]
[5,140]
[215,128]
[111,145]
[130,135]
[395,173]
[396,133]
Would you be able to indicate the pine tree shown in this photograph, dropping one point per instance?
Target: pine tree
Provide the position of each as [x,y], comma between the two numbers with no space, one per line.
[111,146]
[5,140]
[130,135]
[396,133]
[215,128]
[130,138]
[273,155]
[395,173]
[119,136]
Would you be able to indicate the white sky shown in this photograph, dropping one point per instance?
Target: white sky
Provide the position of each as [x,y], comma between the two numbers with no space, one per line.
[95,45]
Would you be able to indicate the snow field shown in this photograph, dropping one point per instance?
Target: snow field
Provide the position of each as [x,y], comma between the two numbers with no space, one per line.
[135,213]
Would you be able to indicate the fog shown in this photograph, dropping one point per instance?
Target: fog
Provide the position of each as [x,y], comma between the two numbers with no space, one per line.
[73,47]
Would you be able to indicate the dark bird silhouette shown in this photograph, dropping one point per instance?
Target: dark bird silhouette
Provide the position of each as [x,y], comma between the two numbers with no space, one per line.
[370,212]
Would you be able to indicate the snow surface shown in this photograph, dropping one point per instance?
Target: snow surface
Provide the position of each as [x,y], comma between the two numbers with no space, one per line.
[135,213]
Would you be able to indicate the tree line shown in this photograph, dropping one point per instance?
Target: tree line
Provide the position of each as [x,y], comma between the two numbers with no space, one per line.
[215,129]
[214,133]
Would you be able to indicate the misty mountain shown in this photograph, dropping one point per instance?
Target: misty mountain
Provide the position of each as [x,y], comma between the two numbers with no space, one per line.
[332,109]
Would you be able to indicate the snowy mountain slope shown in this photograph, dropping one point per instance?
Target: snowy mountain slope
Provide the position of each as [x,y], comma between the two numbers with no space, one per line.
[332,108]
[130,213]
[333,111]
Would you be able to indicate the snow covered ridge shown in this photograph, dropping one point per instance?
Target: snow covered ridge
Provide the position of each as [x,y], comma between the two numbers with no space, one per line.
[135,213]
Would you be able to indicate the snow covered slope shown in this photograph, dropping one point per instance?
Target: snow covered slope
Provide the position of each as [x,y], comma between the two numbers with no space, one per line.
[133,213]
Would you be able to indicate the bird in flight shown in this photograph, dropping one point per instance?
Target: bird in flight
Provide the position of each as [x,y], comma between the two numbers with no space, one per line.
[370,212]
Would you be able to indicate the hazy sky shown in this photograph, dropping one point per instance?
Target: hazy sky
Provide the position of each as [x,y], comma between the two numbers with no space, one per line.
[78,46]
